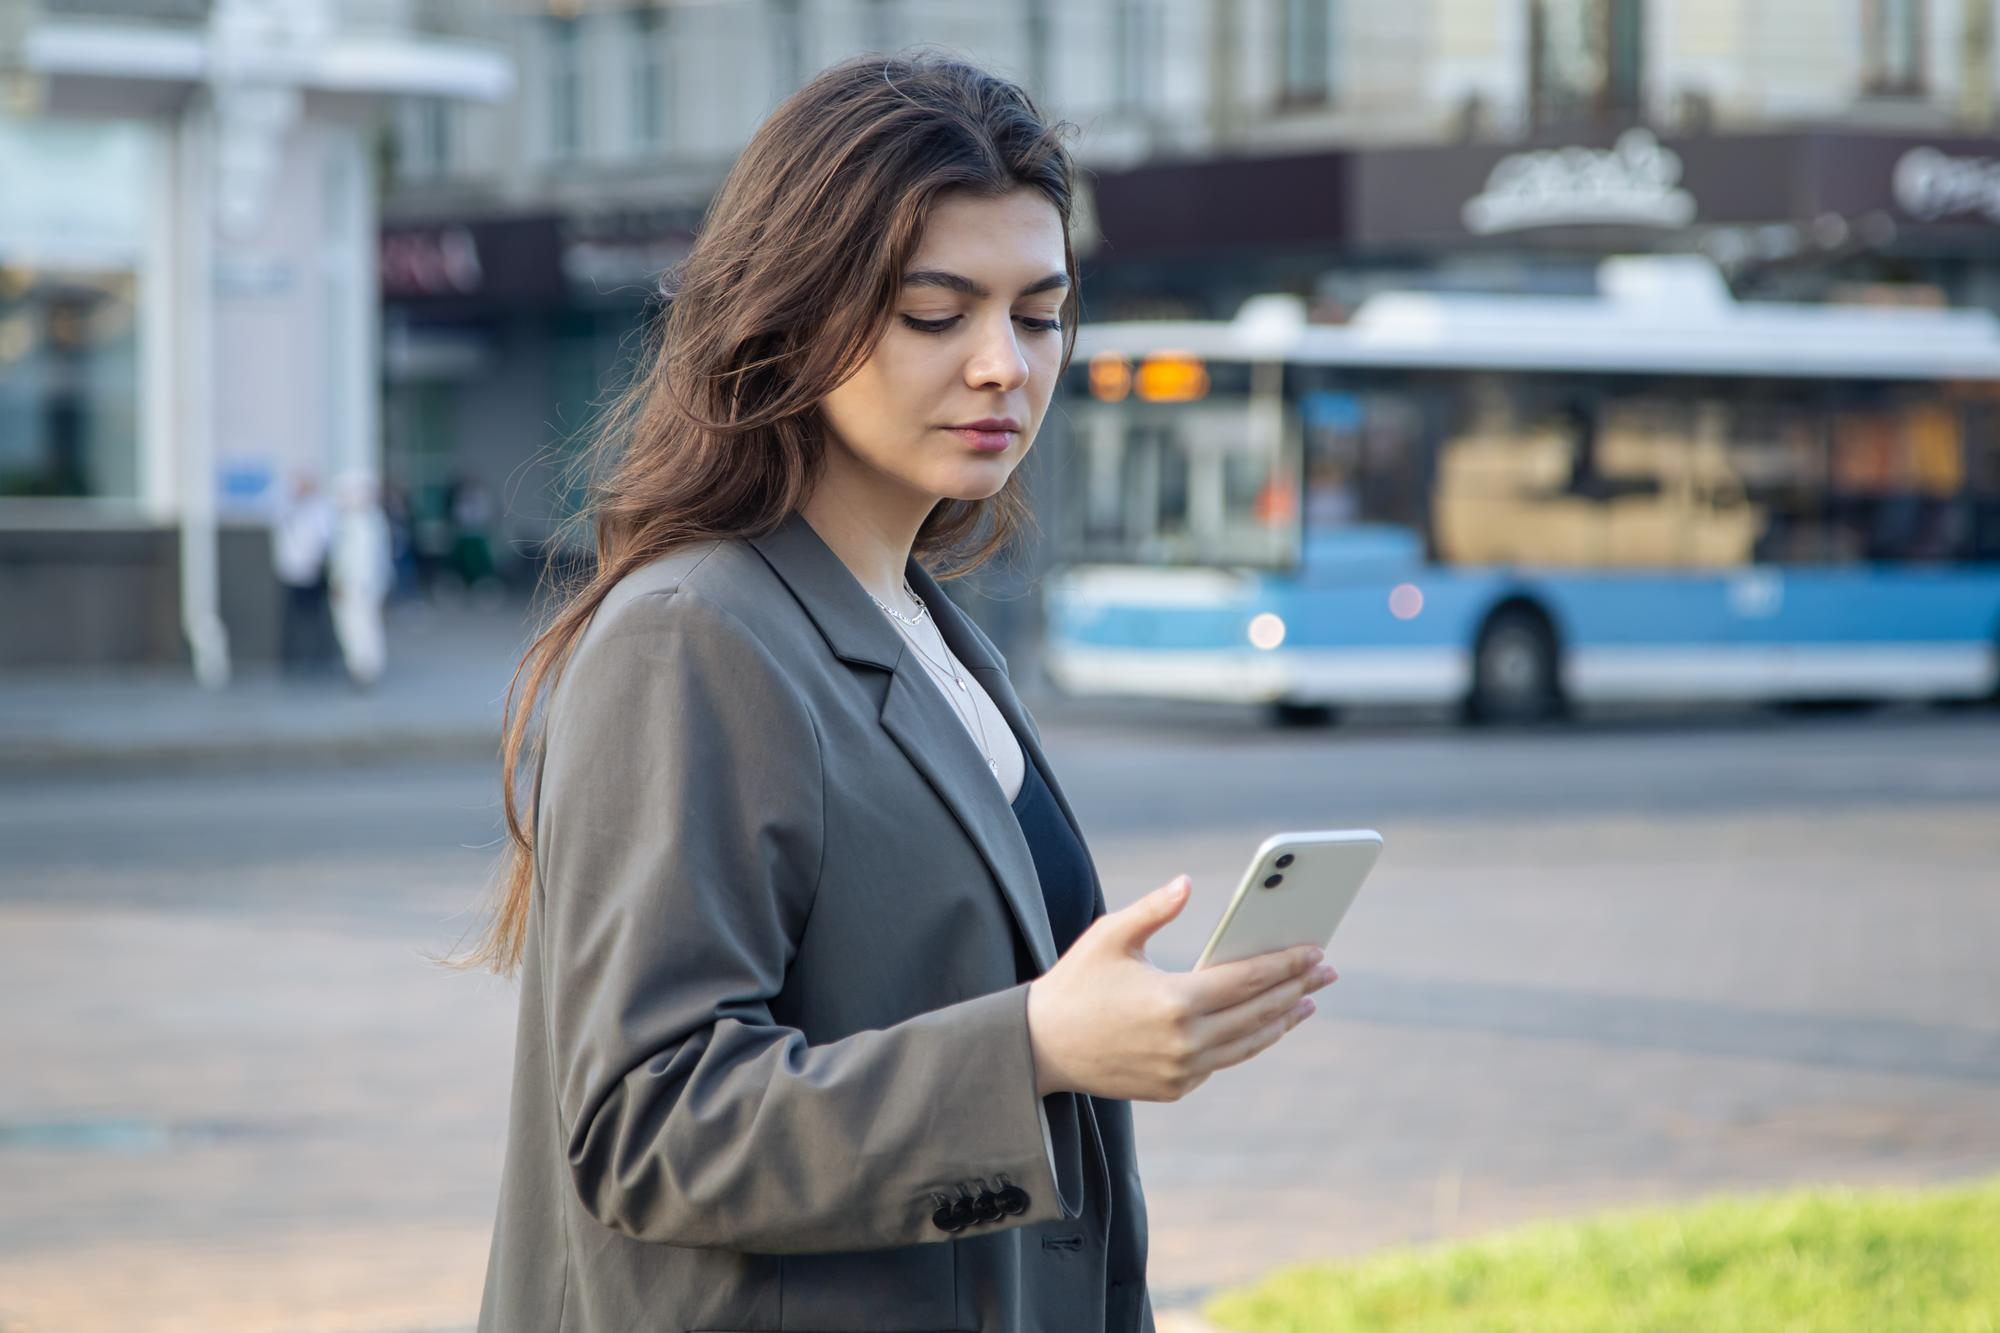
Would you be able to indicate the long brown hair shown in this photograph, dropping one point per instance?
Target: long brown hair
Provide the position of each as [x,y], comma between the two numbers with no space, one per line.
[793,278]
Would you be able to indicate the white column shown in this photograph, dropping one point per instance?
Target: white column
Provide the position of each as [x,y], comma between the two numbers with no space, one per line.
[160,299]
[353,295]
[194,377]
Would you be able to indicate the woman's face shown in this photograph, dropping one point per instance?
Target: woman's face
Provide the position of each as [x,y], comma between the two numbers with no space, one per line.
[975,336]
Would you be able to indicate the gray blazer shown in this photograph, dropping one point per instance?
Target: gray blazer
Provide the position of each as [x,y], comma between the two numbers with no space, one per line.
[773,1013]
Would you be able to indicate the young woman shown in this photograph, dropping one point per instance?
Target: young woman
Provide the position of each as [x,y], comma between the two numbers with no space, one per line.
[824,1024]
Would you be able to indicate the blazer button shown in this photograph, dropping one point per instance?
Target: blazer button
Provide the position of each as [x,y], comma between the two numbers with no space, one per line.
[1013,1200]
[986,1208]
[946,1218]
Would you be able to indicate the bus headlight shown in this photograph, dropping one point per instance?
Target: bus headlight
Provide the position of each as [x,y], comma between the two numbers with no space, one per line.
[1266,630]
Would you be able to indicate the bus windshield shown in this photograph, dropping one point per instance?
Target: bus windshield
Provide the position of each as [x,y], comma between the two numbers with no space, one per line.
[1212,481]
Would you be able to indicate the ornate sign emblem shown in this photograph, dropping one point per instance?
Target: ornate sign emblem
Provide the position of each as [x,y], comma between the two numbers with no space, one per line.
[1635,182]
[1931,184]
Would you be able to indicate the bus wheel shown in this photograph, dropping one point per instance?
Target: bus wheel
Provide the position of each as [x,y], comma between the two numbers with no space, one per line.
[1287,713]
[1514,670]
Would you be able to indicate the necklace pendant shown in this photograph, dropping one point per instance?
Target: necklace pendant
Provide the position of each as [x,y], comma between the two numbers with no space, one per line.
[958,681]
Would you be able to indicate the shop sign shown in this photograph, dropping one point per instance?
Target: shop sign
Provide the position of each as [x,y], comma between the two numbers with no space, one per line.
[1931,184]
[246,273]
[431,261]
[1635,182]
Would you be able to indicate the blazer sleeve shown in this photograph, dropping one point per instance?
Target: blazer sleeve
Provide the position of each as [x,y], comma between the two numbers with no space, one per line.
[680,832]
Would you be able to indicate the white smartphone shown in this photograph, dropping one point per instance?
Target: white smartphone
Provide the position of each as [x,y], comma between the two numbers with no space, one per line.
[1298,887]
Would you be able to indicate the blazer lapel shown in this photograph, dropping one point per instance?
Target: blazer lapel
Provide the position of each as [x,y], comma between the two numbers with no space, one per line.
[915,713]
[964,644]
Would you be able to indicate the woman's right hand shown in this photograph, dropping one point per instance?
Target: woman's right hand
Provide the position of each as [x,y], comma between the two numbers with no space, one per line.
[1105,1021]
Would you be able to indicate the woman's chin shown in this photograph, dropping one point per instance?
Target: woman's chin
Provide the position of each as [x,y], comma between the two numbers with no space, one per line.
[978,482]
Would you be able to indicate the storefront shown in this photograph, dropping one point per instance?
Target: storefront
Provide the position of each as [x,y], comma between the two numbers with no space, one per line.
[188,312]
[87,404]
[503,337]
[163,385]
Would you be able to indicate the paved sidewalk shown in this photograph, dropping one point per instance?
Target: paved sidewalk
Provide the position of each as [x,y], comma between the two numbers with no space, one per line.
[442,694]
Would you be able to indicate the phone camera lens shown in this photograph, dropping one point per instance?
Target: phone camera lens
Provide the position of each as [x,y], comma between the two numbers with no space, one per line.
[1272,881]
[1284,860]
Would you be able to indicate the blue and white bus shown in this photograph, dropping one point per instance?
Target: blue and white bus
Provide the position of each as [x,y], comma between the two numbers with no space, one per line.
[1513,504]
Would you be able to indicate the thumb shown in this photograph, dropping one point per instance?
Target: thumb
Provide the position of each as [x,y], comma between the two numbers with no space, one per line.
[1139,922]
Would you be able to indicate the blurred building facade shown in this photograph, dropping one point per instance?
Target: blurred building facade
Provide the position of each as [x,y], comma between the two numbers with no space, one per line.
[189,304]
[1330,148]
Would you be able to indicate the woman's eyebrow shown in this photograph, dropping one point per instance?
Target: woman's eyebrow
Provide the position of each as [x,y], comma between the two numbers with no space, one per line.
[958,282]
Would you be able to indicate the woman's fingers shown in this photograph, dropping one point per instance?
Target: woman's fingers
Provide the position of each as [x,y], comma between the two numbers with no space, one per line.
[1240,1021]
[1258,1038]
[1227,985]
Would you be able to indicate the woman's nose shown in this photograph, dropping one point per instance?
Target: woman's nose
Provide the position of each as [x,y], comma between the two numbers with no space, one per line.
[998,360]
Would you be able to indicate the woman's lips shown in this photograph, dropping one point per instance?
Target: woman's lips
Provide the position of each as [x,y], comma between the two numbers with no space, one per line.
[986,441]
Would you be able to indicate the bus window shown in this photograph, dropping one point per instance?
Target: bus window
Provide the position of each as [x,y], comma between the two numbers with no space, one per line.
[1331,424]
[1574,473]
[1776,448]
[1364,459]
[1898,480]
[1981,500]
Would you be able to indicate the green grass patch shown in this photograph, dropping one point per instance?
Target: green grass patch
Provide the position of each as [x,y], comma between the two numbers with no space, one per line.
[1823,1261]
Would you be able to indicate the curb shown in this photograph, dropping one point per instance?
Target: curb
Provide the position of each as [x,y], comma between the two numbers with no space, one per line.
[36,758]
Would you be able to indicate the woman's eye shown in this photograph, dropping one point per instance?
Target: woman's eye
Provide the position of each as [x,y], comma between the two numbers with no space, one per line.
[940,325]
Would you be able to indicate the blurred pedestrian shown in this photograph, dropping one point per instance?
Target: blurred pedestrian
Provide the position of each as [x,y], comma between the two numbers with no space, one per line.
[361,574]
[302,538]
[407,583]
[821,1005]
[472,516]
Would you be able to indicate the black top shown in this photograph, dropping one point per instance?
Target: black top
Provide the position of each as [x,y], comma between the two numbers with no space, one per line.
[1061,862]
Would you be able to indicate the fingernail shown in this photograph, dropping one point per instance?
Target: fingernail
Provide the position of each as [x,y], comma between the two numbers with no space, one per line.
[1309,1008]
[1316,955]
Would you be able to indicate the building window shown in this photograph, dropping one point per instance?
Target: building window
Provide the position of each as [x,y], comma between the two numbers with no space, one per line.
[1036,18]
[788,45]
[73,283]
[424,148]
[1892,45]
[1585,60]
[878,25]
[1135,39]
[68,381]
[1305,52]
[649,77]
[565,87]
